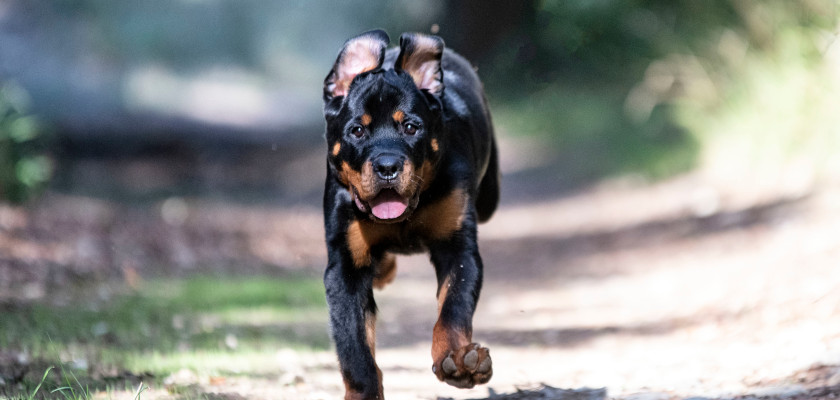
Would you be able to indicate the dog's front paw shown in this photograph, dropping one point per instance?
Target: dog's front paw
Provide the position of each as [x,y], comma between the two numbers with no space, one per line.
[466,367]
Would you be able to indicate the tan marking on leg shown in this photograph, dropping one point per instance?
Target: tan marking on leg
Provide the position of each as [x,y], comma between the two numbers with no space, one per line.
[442,292]
[370,332]
[398,116]
[386,271]
[336,148]
[349,393]
[366,119]
[445,339]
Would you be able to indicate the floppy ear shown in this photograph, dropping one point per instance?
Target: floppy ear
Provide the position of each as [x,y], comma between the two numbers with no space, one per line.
[420,56]
[359,54]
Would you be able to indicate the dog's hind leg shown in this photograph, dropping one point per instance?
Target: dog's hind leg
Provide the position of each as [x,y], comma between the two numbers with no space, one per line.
[488,190]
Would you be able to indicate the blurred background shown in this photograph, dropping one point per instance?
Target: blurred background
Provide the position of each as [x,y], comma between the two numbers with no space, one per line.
[162,164]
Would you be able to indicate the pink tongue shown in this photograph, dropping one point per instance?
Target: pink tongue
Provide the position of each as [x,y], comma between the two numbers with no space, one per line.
[388,205]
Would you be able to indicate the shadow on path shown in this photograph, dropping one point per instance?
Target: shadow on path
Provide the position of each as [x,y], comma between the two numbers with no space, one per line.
[539,257]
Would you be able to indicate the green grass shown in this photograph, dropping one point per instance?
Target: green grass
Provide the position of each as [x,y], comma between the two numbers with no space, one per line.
[219,326]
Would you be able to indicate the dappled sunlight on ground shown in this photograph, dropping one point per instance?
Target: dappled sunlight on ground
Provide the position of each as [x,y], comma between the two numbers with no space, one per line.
[686,287]
[636,292]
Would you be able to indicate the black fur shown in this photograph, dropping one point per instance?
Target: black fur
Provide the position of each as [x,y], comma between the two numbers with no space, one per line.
[417,109]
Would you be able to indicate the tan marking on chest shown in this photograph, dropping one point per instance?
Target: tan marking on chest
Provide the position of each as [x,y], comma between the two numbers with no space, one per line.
[441,219]
[436,221]
[362,236]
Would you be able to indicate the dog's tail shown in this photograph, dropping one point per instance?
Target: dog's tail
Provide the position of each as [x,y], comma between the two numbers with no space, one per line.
[488,190]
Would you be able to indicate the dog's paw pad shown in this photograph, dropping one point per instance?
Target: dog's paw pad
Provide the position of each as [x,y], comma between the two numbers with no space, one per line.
[486,366]
[471,360]
[466,367]
[449,366]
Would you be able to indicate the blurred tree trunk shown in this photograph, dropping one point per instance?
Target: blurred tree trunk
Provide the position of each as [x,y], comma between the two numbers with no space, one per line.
[474,27]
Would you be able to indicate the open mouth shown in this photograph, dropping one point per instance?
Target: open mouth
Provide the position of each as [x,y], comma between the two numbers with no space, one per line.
[387,204]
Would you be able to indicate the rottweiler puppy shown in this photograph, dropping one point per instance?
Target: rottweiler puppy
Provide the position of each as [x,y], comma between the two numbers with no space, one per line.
[412,166]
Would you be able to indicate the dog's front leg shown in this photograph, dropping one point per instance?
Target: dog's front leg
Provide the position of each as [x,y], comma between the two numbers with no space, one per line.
[458,361]
[349,293]
[353,320]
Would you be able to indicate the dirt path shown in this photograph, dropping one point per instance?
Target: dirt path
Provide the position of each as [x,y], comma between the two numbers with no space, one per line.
[679,289]
[639,290]
[635,290]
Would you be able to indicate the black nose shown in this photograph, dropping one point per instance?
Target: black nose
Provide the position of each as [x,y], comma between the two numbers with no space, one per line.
[388,166]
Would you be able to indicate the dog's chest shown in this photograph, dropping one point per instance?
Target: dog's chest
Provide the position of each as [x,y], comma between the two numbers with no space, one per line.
[433,222]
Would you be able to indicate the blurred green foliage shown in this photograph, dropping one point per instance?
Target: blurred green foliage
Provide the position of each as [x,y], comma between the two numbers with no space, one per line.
[612,87]
[24,169]
[631,86]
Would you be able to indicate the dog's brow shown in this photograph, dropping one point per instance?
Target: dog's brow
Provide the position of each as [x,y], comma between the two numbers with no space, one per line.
[398,116]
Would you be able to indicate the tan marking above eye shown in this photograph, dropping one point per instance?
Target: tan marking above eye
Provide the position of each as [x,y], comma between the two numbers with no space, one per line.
[435,146]
[398,116]
[366,119]
[336,148]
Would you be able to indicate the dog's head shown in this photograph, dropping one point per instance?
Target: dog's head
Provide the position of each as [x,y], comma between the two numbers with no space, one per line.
[384,125]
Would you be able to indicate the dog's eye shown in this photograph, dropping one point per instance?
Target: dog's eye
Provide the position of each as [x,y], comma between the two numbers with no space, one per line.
[357,131]
[410,129]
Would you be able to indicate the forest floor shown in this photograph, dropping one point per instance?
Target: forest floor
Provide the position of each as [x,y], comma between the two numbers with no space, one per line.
[692,287]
